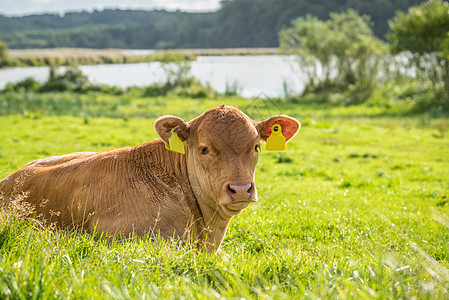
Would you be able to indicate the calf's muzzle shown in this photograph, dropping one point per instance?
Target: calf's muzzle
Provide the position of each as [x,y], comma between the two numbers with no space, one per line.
[240,191]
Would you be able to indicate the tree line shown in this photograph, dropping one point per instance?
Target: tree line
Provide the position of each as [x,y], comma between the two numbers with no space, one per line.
[341,58]
[238,23]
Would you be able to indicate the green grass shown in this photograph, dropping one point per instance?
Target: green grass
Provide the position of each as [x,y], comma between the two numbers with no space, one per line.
[357,207]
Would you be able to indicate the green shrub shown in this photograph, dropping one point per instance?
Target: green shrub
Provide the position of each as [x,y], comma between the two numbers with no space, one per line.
[179,82]
[189,87]
[424,32]
[193,88]
[339,54]
[71,80]
[102,88]
[28,84]
[156,89]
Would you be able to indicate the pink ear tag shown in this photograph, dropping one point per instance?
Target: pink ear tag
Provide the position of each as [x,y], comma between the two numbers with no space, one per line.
[174,143]
[276,141]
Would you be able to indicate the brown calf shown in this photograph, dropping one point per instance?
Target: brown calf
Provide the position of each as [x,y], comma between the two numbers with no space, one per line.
[149,189]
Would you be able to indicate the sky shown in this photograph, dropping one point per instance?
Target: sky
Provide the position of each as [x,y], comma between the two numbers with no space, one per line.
[27,7]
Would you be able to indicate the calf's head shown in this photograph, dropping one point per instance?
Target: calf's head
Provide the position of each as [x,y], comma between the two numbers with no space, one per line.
[222,149]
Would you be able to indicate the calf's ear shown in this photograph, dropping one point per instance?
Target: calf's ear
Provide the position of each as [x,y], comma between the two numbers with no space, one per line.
[165,124]
[290,127]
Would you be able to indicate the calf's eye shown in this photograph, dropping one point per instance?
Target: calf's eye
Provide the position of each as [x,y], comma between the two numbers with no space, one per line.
[204,150]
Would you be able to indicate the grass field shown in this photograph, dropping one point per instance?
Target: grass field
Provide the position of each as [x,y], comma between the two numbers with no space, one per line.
[357,207]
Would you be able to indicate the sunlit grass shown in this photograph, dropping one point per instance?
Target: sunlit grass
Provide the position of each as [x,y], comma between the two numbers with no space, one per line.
[357,207]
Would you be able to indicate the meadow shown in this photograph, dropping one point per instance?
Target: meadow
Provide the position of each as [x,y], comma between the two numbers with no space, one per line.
[357,207]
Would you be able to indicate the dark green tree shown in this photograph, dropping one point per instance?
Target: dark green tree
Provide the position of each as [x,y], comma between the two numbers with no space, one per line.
[238,23]
[424,32]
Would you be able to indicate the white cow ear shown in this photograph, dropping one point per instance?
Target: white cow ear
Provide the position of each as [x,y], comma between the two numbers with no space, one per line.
[165,124]
[290,127]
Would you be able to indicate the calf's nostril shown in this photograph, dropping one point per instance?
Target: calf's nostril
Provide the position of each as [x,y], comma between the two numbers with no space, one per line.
[231,191]
[250,190]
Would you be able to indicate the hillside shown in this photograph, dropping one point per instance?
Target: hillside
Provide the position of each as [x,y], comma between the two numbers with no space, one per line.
[238,23]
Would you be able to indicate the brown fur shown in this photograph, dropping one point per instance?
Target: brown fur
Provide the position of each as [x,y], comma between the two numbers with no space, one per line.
[148,189]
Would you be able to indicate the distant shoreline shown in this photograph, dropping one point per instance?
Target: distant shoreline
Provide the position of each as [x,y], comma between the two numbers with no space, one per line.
[86,56]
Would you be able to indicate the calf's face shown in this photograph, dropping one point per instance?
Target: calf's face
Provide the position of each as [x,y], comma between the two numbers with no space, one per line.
[222,148]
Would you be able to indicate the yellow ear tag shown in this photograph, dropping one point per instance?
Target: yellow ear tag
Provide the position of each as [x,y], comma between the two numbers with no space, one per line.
[175,144]
[276,141]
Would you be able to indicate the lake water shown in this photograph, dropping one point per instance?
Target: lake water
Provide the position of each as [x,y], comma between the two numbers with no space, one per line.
[259,75]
